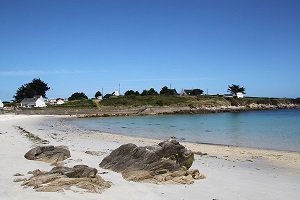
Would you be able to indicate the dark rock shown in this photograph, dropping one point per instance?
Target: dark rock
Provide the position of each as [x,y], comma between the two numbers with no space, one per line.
[200,153]
[18,174]
[168,161]
[49,154]
[78,171]
[95,153]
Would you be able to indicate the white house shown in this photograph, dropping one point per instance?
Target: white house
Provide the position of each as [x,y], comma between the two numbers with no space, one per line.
[239,95]
[36,101]
[51,101]
[60,101]
[1,104]
[115,93]
[228,96]
[185,92]
[99,97]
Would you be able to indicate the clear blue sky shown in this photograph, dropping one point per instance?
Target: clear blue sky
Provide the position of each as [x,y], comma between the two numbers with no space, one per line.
[86,45]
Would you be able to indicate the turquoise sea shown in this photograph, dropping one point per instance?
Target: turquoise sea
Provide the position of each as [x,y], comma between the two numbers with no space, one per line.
[274,129]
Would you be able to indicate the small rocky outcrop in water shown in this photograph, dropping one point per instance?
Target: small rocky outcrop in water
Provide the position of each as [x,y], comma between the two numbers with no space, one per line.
[60,178]
[50,154]
[167,162]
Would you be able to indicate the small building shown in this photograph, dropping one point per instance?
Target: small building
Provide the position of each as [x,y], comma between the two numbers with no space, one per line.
[239,95]
[185,92]
[51,101]
[1,104]
[60,101]
[191,92]
[99,97]
[54,102]
[36,101]
[115,93]
[228,96]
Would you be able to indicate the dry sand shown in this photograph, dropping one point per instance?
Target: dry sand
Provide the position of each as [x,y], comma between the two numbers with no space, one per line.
[232,172]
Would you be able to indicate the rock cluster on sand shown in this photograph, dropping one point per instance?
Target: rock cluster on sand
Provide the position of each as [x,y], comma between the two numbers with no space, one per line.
[167,162]
[60,178]
[50,154]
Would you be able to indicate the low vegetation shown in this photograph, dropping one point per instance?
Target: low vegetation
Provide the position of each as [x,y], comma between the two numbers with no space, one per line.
[170,100]
[164,100]
[260,100]
[84,103]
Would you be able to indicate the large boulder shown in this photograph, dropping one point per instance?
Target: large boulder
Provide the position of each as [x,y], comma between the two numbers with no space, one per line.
[50,154]
[167,162]
[64,178]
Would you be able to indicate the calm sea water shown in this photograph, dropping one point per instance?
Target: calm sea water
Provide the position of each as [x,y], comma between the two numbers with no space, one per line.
[278,129]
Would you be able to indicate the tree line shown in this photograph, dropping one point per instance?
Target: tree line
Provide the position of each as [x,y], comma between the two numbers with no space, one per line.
[39,87]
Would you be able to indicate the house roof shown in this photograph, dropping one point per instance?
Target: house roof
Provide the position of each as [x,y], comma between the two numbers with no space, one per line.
[115,93]
[29,100]
[186,91]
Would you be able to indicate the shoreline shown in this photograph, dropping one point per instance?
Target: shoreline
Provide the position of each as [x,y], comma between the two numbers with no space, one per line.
[210,149]
[110,111]
[190,142]
[232,173]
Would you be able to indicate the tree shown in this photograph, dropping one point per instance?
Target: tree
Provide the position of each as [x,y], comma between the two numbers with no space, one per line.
[233,89]
[196,92]
[29,90]
[166,91]
[130,92]
[107,96]
[151,91]
[77,96]
[144,93]
[98,94]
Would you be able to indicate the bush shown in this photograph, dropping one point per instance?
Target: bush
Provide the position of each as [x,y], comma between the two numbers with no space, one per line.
[160,103]
[77,96]
[130,92]
[78,104]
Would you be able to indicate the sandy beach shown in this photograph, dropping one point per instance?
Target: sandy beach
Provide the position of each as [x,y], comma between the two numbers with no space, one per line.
[232,173]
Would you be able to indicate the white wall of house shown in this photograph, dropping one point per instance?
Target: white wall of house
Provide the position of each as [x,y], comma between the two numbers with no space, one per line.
[1,104]
[239,95]
[60,102]
[116,93]
[40,102]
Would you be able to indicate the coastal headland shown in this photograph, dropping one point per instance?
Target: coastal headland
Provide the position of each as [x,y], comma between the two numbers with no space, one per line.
[158,105]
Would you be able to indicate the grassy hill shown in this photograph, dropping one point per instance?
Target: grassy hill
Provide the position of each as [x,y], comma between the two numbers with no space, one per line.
[164,100]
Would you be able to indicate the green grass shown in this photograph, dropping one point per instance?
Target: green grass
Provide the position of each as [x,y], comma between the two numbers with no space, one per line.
[78,104]
[163,100]
[260,100]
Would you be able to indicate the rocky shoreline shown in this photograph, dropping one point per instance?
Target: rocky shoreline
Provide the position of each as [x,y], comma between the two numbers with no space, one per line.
[109,111]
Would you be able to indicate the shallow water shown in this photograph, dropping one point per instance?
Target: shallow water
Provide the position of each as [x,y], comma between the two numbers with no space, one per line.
[274,129]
